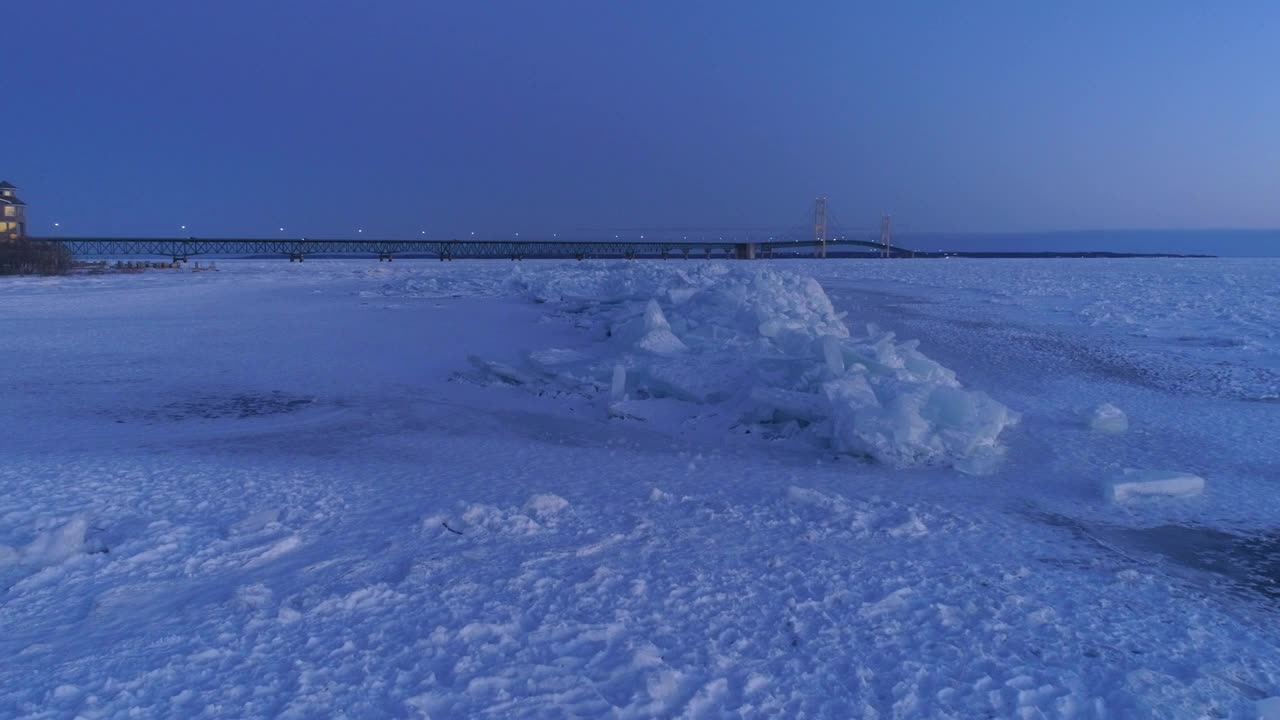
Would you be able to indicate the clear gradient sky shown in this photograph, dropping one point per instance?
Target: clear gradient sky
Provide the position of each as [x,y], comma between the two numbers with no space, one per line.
[237,117]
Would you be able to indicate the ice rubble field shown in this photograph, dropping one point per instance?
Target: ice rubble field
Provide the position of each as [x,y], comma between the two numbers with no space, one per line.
[673,489]
[1220,312]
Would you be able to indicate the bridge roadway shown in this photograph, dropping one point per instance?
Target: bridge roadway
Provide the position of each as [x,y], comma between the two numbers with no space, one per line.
[298,249]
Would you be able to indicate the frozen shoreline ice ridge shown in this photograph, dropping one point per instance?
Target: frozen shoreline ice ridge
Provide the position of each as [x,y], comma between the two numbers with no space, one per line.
[771,343]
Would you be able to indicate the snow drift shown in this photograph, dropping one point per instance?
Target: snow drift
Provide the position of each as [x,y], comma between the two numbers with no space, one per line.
[770,343]
[50,546]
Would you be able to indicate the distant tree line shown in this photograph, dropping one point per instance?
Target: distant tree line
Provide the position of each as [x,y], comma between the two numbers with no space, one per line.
[33,257]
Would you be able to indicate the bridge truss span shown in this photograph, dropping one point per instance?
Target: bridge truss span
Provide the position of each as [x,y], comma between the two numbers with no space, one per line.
[298,249]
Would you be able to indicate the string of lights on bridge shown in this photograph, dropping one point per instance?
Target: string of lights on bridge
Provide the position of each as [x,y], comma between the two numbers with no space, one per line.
[826,231]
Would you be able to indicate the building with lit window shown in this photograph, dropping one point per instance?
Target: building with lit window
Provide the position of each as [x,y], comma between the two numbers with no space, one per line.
[13,216]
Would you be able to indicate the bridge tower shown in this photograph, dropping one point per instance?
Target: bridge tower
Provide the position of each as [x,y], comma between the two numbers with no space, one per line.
[886,232]
[820,225]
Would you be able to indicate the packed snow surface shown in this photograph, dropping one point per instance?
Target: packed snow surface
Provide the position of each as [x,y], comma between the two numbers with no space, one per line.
[822,489]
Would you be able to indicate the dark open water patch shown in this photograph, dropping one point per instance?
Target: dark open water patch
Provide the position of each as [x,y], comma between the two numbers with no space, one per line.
[1207,341]
[235,406]
[239,407]
[1236,563]
[1248,561]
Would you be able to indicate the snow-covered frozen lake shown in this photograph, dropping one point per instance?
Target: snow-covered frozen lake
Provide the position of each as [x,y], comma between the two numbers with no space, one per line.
[632,490]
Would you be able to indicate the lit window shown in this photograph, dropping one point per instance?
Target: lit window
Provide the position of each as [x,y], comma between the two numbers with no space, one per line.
[10,211]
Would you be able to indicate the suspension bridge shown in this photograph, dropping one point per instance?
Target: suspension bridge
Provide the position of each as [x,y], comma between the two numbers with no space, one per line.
[824,238]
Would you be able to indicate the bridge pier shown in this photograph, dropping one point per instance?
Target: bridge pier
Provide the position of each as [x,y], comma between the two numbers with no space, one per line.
[295,257]
[384,256]
[179,259]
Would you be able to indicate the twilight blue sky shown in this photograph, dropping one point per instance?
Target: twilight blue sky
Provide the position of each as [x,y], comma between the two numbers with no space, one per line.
[396,116]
